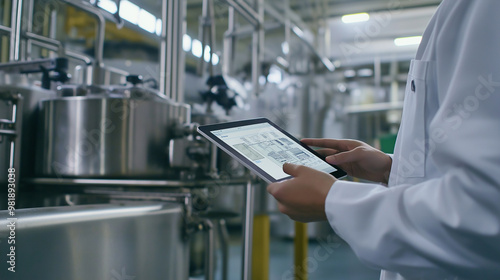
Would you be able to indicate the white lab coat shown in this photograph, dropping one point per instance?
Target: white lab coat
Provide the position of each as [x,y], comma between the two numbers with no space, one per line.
[440,216]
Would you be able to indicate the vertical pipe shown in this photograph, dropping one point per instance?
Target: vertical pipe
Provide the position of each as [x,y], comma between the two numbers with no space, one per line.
[45,28]
[180,52]
[4,47]
[15,144]
[213,160]
[209,253]
[255,63]
[163,48]
[15,35]
[228,43]
[288,28]
[257,47]
[29,27]
[98,66]
[172,58]
[202,35]
[167,34]
[212,38]
[300,251]
[52,27]
[174,66]
[377,73]
[224,242]
[247,233]
[261,243]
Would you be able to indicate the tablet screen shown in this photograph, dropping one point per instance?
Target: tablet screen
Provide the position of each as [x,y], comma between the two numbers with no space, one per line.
[268,148]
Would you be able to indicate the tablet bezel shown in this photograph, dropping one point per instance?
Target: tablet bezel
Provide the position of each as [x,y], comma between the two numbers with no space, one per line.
[206,131]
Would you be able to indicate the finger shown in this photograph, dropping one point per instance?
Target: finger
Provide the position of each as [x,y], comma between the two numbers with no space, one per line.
[341,145]
[326,152]
[345,157]
[273,188]
[292,169]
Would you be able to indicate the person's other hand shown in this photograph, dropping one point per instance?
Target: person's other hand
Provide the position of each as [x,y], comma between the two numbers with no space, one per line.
[358,159]
[303,197]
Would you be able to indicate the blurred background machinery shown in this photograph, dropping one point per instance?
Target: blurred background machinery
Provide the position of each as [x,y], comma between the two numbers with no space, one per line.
[99,103]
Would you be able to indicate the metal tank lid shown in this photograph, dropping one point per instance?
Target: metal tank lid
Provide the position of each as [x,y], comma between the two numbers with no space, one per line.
[135,89]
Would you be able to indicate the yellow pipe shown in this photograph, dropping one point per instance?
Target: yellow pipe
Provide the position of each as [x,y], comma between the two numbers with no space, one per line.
[300,251]
[260,247]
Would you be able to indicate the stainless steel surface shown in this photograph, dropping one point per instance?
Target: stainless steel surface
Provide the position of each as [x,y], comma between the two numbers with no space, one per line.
[210,250]
[59,48]
[26,111]
[247,233]
[118,133]
[15,35]
[257,47]
[98,66]
[131,183]
[246,11]
[293,22]
[114,241]
[10,138]
[229,41]
[172,56]
[224,244]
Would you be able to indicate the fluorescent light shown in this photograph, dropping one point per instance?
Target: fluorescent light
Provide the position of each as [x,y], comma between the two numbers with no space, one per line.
[365,72]
[107,5]
[262,80]
[298,31]
[282,61]
[349,73]
[360,17]
[197,48]
[407,41]
[186,42]
[158,27]
[147,21]
[275,75]
[215,59]
[328,64]
[129,11]
[285,48]
[206,55]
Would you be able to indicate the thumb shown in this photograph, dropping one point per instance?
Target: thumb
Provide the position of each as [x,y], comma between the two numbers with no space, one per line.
[345,157]
[292,169]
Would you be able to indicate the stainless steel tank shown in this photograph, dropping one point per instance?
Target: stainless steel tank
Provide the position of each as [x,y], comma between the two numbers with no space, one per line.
[129,240]
[107,132]
[12,85]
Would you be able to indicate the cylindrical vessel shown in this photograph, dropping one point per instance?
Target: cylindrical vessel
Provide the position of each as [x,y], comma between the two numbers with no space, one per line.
[125,240]
[116,134]
[26,123]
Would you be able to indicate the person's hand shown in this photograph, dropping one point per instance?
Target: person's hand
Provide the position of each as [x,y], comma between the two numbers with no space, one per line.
[303,197]
[358,159]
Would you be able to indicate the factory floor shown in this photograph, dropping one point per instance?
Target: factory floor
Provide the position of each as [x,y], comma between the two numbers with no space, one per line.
[328,259]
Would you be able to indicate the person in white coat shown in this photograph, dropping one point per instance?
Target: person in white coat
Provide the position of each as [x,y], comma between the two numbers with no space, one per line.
[434,212]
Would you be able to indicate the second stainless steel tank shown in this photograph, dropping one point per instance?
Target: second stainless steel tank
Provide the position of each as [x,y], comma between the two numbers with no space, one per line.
[112,132]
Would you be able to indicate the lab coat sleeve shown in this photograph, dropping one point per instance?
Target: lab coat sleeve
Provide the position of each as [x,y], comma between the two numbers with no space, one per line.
[448,225]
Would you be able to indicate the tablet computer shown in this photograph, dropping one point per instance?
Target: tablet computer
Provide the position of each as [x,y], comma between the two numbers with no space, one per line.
[263,147]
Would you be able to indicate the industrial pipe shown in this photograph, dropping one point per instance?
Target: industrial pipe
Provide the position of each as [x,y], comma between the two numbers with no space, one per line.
[99,42]
[15,34]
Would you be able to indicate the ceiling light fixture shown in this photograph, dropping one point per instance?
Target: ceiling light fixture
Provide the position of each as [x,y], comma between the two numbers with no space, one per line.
[352,18]
[129,11]
[147,21]
[197,48]
[407,41]
[107,5]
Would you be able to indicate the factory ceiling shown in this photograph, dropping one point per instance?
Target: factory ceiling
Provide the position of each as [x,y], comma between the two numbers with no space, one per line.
[390,19]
